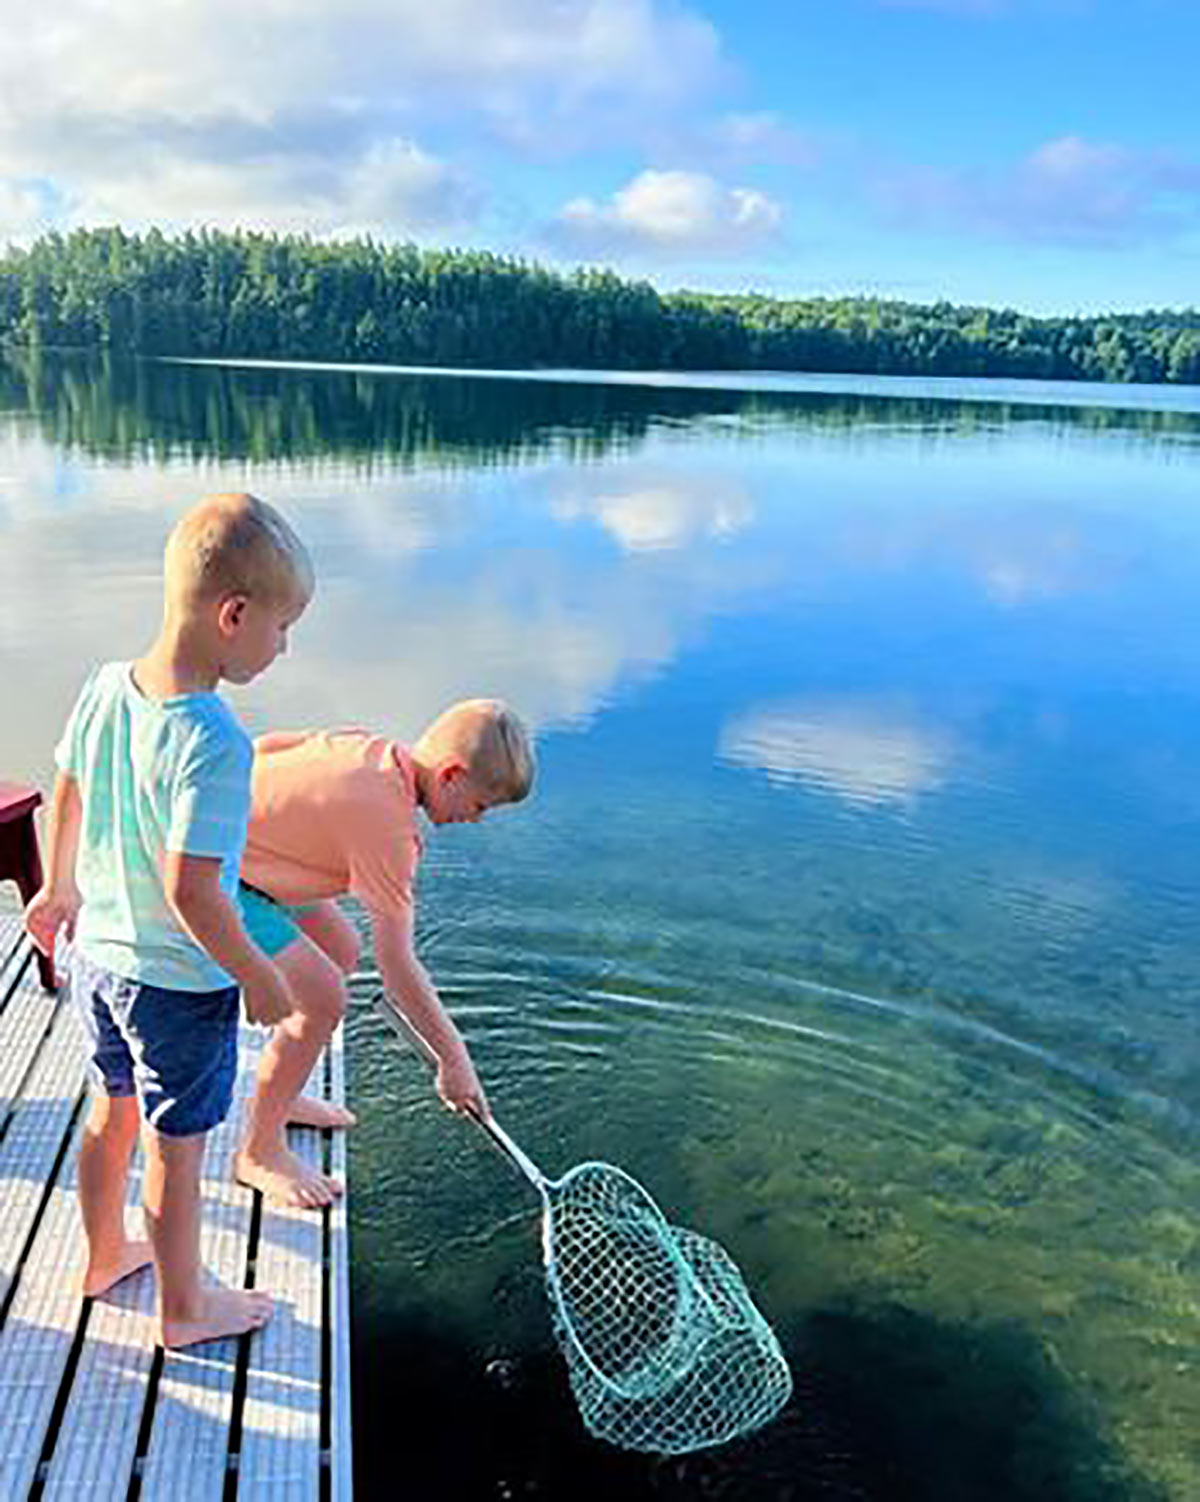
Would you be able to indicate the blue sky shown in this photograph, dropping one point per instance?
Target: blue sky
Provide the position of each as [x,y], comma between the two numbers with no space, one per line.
[1042,154]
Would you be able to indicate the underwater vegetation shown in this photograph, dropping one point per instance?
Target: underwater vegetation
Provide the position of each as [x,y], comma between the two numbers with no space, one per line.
[890,1406]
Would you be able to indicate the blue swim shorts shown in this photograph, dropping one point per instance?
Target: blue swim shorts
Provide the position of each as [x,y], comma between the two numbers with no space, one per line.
[175,1050]
[272,925]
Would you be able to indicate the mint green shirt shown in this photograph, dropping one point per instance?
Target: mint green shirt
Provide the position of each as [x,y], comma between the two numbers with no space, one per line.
[154,775]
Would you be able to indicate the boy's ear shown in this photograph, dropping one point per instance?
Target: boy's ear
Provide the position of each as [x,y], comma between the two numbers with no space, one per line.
[230,612]
[451,770]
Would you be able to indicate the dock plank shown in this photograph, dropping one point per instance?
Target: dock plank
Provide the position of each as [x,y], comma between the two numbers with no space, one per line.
[43,1313]
[24,1024]
[281,1421]
[11,933]
[82,1384]
[341,1468]
[188,1454]
[35,1127]
[95,1444]
[35,1346]
[189,1439]
[42,1070]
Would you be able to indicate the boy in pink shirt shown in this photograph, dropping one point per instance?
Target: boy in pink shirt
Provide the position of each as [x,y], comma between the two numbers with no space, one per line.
[334,813]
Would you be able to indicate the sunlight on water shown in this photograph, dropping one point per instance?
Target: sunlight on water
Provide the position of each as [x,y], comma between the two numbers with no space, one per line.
[854,914]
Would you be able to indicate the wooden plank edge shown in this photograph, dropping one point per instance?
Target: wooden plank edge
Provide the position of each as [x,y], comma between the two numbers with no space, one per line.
[341,1458]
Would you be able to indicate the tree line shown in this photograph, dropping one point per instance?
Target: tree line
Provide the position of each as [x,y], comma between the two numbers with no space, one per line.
[251,295]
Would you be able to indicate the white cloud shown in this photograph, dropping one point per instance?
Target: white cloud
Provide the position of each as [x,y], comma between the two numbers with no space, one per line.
[682,212]
[303,114]
[206,60]
[1067,190]
[24,208]
[396,180]
[391,187]
[865,751]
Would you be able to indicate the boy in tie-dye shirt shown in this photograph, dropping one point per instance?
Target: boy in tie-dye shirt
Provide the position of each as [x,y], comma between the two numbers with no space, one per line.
[149,822]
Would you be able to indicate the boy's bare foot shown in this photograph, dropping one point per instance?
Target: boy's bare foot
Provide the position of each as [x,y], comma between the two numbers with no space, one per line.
[285,1179]
[102,1273]
[307,1110]
[220,1312]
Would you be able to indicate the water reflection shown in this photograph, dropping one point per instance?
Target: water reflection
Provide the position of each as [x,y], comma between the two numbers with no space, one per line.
[426,592]
[122,408]
[867,752]
[662,511]
[856,910]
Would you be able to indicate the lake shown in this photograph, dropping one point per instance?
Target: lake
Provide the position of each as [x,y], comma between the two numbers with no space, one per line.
[854,913]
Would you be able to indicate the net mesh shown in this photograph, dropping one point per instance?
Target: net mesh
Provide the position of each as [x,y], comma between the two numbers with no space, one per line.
[664,1348]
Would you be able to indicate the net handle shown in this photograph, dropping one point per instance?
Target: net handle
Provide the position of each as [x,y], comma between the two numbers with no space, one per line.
[416,1040]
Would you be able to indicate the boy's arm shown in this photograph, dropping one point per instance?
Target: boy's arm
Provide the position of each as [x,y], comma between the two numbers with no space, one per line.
[192,884]
[408,985]
[56,906]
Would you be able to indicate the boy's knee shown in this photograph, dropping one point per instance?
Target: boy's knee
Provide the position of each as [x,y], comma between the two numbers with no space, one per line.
[317,984]
[109,1114]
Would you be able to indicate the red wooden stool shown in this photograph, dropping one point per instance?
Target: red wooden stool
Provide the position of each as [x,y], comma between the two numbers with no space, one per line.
[19,857]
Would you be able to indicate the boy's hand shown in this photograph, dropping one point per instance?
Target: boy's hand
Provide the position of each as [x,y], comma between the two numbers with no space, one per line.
[267,999]
[49,911]
[405,978]
[459,1088]
[192,887]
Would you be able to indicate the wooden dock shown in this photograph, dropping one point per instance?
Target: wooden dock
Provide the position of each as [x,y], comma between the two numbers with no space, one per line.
[89,1406]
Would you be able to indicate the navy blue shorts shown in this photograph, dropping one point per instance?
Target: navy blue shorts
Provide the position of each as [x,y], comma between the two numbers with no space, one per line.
[175,1050]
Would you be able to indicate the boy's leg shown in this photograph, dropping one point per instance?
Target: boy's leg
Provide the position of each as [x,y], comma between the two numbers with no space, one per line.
[110,1133]
[190,1308]
[265,1162]
[331,931]
[334,935]
[184,1048]
[109,1137]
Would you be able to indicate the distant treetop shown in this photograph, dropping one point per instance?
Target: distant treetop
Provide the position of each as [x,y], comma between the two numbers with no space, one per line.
[248,295]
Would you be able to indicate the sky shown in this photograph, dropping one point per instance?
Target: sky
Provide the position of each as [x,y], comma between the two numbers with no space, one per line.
[1036,154]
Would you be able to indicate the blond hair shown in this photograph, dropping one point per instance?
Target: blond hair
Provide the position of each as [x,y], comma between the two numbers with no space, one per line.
[236,544]
[493,743]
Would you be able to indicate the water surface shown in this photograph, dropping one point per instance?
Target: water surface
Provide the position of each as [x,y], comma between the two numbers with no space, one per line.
[854,914]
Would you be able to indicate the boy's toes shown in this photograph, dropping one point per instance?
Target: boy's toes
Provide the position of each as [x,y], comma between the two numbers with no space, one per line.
[262,1308]
[285,1179]
[308,1110]
[316,1191]
[309,1194]
[219,1313]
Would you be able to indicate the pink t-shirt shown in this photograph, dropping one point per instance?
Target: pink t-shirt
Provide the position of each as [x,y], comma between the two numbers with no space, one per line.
[333,812]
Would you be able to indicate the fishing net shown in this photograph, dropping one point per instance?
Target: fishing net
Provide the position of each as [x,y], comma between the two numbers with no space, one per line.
[665,1350]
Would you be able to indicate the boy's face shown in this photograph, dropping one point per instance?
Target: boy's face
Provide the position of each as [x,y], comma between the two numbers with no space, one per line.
[254,633]
[455,798]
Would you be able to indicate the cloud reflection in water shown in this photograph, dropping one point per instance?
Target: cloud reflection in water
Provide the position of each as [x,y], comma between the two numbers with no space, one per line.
[868,752]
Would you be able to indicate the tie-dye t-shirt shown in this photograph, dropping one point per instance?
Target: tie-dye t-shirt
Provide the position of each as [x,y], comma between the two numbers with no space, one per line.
[154,775]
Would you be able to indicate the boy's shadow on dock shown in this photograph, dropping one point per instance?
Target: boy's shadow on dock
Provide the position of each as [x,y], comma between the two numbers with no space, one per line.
[889,1406]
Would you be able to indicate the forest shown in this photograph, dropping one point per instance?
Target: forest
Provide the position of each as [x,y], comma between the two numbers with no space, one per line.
[244,295]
